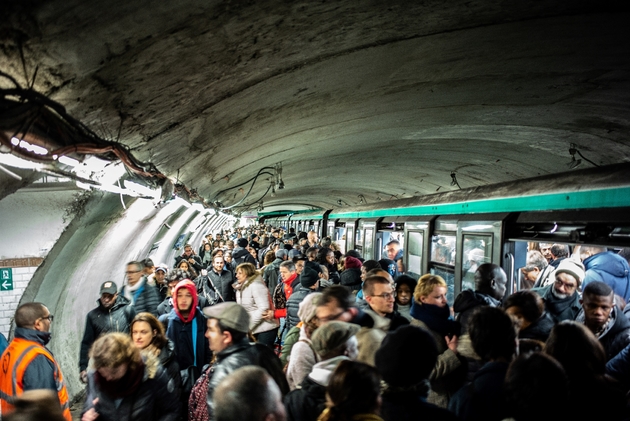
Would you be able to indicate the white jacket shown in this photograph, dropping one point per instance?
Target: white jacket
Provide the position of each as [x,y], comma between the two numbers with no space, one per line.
[255,298]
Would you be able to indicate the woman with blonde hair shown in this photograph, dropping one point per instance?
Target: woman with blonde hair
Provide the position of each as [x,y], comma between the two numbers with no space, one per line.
[253,295]
[125,385]
[430,311]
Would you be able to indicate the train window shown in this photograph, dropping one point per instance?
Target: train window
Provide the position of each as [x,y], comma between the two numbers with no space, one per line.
[369,243]
[358,242]
[443,249]
[340,238]
[449,276]
[348,237]
[414,253]
[477,250]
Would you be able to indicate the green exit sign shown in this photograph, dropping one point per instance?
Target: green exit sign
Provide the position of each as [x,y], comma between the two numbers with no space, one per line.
[6,279]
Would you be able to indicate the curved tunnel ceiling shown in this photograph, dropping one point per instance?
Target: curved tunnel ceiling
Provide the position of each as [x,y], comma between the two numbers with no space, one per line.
[380,99]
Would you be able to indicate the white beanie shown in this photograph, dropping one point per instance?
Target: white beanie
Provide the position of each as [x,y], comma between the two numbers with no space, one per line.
[308,306]
[573,268]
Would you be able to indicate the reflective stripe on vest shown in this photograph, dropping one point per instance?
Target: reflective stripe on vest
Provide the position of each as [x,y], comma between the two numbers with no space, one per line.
[15,359]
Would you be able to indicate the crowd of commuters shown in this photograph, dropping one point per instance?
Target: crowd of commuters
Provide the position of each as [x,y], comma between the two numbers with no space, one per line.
[262,324]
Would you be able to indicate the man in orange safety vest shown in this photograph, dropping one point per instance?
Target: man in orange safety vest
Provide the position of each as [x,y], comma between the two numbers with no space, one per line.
[26,364]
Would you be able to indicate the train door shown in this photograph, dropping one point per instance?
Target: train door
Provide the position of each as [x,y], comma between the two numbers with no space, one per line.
[330,229]
[367,227]
[478,242]
[339,235]
[562,232]
[417,246]
[443,251]
[348,235]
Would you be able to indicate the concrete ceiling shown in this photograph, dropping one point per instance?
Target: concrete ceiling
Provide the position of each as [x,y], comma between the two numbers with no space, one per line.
[373,98]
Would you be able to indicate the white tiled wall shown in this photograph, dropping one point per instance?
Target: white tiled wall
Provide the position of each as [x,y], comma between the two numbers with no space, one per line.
[9,299]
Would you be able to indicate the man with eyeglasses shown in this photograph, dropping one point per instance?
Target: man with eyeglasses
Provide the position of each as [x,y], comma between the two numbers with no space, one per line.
[562,300]
[143,296]
[26,364]
[380,296]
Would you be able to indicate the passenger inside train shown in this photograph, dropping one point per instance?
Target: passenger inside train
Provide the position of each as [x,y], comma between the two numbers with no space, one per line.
[446,344]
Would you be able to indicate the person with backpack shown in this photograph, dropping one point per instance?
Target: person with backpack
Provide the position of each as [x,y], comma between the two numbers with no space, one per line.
[271,274]
[240,254]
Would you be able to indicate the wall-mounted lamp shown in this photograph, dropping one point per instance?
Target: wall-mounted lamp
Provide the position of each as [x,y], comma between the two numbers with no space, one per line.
[362,199]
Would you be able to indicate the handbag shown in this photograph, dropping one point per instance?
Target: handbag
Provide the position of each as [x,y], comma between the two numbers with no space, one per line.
[189,378]
[279,299]
[212,295]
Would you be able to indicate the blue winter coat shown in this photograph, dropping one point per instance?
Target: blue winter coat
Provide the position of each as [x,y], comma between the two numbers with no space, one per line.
[610,268]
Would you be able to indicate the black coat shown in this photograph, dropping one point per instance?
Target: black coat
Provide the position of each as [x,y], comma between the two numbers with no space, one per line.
[467,301]
[181,335]
[241,354]
[99,321]
[307,402]
[538,330]
[409,406]
[197,261]
[617,336]
[241,255]
[168,361]
[152,401]
[223,282]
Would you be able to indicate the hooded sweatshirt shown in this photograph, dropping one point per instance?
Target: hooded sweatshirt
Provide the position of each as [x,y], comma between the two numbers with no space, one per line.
[187,333]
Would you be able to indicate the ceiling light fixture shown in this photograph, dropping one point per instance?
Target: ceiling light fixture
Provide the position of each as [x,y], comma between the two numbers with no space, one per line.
[362,200]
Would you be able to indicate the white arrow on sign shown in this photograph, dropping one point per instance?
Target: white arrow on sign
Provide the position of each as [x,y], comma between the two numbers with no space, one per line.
[5,284]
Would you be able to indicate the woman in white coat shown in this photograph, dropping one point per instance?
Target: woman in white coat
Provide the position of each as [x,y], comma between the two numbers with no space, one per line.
[253,295]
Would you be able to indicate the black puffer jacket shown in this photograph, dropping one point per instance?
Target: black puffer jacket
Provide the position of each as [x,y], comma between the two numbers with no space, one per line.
[293,305]
[242,354]
[351,278]
[467,301]
[152,400]
[99,321]
[307,402]
[168,361]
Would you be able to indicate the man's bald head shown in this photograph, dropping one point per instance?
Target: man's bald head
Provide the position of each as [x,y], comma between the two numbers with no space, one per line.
[27,314]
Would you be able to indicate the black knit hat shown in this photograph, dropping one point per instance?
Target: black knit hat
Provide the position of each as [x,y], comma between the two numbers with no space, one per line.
[310,274]
[406,356]
[242,242]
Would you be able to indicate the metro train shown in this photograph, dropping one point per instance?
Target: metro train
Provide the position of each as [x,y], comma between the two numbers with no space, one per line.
[450,233]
